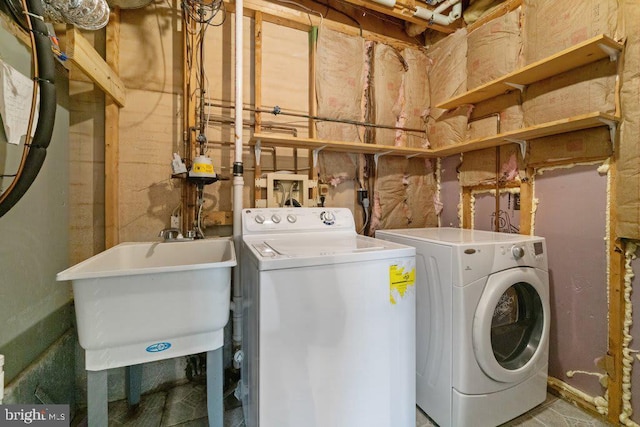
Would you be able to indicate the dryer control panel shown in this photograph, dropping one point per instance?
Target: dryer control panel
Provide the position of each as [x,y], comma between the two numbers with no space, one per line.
[530,253]
[285,220]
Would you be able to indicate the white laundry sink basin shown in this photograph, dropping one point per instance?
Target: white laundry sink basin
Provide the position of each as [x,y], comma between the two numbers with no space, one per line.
[140,302]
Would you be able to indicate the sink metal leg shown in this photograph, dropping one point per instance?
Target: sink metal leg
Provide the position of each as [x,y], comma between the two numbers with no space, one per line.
[97,398]
[133,380]
[215,406]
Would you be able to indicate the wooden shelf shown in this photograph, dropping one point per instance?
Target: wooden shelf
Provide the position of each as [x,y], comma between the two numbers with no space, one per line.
[585,121]
[571,124]
[268,140]
[589,51]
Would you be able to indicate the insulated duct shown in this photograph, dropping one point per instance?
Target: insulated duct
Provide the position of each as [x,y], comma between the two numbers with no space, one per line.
[44,74]
[85,14]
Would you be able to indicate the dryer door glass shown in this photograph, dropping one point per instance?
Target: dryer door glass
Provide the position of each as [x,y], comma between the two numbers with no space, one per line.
[516,327]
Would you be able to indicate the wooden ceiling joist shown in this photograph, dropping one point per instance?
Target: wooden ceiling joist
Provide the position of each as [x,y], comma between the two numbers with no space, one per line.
[302,20]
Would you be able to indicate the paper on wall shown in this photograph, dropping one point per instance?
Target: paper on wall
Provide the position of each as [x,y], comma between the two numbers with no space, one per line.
[15,102]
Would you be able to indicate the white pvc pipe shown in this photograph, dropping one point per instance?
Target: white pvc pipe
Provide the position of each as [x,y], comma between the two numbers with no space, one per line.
[238,181]
[436,15]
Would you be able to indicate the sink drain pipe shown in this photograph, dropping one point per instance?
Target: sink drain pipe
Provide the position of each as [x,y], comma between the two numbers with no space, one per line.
[35,150]
[238,180]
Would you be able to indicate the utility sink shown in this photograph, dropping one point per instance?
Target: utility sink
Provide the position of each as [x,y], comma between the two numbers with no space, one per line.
[140,302]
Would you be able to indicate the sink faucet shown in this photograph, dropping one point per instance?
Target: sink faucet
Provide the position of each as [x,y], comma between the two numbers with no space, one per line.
[170,234]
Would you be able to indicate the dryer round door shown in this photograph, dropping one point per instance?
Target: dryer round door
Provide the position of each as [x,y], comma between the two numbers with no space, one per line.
[511,324]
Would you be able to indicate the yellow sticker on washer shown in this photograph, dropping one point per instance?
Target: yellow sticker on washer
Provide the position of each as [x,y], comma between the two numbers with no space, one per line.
[401,277]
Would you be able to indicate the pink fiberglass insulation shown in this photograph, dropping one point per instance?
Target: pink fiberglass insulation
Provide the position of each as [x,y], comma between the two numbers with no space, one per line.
[388,98]
[416,98]
[339,86]
[404,194]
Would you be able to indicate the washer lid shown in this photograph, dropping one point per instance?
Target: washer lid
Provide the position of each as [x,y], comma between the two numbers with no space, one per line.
[322,246]
[305,249]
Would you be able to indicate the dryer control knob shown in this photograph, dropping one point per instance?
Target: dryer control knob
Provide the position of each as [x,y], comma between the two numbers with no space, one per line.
[276,218]
[259,219]
[291,218]
[517,252]
[327,217]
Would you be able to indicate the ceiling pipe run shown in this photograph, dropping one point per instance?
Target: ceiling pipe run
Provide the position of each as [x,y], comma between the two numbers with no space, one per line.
[431,15]
[436,15]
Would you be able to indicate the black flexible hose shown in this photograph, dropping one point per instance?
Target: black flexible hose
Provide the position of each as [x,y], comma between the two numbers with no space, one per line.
[46,112]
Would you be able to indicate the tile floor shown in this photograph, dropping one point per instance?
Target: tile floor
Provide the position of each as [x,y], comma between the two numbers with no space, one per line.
[185,406]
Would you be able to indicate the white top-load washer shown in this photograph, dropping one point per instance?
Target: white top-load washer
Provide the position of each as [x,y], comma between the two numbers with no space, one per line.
[328,322]
[482,335]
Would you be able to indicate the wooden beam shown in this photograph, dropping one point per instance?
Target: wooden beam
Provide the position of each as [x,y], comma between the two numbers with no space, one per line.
[466,219]
[503,9]
[313,104]
[84,56]
[301,20]
[112,138]
[218,218]
[526,202]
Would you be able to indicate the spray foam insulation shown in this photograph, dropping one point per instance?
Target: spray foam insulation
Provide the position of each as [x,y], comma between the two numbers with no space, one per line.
[628,159]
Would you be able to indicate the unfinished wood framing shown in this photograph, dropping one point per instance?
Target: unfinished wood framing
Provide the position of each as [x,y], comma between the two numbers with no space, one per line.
[526,202]
[83,56]
[112,138]
[313,105]
[288,17]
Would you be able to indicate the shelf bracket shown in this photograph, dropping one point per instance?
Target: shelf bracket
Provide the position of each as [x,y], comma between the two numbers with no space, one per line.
[522,143]
[317,151]
[411,156]
[613,127]
[520,87]
[613,53]
[257,150]
[378,155]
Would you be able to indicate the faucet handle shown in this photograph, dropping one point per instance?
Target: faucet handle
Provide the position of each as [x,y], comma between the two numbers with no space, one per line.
[170,233]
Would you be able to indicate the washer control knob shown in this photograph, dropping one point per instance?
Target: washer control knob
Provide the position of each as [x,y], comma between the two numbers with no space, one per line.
[328,217]
[517,252]
[259,219]
[276,218]
[291,218]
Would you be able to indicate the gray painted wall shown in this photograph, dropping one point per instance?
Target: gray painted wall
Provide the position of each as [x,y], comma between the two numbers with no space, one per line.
[34,243]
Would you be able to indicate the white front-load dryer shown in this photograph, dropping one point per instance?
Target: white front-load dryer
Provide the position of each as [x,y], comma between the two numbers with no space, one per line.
[482,323]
